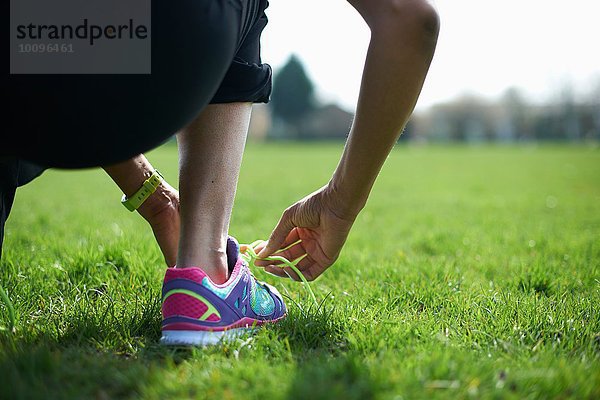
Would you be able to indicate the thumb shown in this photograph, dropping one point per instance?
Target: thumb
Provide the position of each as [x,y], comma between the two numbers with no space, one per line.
[281,231]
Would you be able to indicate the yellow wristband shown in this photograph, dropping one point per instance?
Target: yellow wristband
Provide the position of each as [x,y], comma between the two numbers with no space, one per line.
[148,187]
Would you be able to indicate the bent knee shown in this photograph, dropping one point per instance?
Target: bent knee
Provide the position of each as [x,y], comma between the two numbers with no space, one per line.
[418,16]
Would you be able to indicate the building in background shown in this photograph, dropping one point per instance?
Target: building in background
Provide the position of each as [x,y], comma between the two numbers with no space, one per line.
[295,114]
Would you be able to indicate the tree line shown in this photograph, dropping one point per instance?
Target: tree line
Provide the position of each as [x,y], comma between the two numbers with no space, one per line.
[297,115]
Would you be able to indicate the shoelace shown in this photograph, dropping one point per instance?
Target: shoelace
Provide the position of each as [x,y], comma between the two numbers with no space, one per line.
[248,253]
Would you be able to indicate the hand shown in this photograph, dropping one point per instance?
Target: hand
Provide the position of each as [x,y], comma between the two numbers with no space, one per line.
[323,232]
[161,210]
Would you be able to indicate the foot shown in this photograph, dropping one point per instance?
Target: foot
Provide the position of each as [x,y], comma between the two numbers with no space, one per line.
[197,311]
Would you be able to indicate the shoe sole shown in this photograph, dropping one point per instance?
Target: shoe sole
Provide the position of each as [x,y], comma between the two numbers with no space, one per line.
[201,338]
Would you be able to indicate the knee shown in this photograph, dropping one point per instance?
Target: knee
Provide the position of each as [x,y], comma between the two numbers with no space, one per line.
[417,18]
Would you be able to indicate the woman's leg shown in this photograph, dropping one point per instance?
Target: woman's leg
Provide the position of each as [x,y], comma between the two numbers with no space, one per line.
[210,151]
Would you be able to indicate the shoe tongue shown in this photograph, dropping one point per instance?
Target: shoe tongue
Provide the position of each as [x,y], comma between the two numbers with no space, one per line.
[233,251]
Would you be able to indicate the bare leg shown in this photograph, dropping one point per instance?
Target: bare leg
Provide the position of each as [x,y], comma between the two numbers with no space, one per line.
[161,209]
[210,152]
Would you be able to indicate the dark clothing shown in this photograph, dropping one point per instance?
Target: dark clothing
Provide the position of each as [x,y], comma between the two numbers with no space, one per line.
[13,173]
[202,51]
[248,79]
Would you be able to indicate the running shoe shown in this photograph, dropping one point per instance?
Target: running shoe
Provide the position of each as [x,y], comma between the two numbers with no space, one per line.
[197,311]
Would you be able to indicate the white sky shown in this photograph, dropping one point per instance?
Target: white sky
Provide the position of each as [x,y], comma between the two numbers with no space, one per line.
[485,46]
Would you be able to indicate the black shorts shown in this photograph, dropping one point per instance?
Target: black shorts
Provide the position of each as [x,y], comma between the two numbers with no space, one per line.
[248,79]
[202,51]
[91,120]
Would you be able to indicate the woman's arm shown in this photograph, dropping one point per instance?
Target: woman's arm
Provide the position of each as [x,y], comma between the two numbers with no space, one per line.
[161,209]
[403,39]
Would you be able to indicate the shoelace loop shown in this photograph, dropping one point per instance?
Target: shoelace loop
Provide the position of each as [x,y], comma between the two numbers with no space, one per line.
[248,253]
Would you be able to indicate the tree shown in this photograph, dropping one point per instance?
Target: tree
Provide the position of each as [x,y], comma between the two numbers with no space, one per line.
[293,93]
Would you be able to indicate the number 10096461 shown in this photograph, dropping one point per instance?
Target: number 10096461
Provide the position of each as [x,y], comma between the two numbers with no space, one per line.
[45,48]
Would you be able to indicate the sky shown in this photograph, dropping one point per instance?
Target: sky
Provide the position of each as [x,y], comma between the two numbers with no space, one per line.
[485,47]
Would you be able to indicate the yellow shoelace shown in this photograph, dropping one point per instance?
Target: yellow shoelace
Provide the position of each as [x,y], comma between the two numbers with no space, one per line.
[248,252]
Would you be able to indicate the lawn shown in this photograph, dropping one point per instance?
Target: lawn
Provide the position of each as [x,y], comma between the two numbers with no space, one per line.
[472,272]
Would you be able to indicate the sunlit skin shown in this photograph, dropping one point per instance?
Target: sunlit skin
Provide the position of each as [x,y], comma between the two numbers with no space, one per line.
[161,209]
[403,39]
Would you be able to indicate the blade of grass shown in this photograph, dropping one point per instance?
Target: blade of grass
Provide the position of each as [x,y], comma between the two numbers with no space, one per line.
[9,307]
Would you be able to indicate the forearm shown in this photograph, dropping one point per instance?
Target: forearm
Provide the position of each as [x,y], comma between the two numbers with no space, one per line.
[400,51]
[129,175]
[160,209]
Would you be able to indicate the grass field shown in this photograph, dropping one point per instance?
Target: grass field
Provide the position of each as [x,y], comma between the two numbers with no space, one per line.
[472,272]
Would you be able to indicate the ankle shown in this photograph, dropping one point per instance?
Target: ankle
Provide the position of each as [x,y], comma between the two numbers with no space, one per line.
[216,267]
[218,271]
[213,262]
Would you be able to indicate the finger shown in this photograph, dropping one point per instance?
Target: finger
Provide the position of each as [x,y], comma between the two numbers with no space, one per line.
[289,242]
[279,234]
[277,271]
[294,249]
[293,253]
[283,272]
[310,274]
[310,269]
[259,248]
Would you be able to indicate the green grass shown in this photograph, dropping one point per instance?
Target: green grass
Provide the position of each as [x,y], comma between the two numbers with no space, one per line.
[472,272]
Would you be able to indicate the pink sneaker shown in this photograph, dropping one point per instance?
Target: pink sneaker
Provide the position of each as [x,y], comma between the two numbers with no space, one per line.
[197,311]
